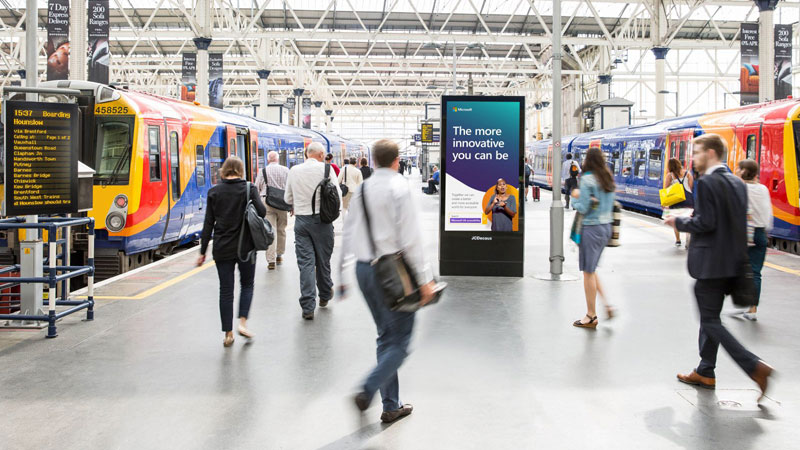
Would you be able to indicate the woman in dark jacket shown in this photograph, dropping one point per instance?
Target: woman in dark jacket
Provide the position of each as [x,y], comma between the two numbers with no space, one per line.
[224,213]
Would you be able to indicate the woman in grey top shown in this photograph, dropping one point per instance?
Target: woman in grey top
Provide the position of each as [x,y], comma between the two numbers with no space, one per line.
[503,207]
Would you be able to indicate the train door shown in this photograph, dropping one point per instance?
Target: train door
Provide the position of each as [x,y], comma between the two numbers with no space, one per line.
[230,140]
[256,162]
[750,138]
[679,145]
[176,210]
[200,179]
[155,184]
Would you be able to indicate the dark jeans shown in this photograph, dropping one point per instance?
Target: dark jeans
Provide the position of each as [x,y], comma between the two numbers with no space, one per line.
[432,186]
[757,254]
[394,335]
[313,245]
[569,185]
[710,294]
[225,270]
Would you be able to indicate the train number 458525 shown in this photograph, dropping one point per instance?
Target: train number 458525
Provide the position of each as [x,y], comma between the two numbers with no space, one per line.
[111,110]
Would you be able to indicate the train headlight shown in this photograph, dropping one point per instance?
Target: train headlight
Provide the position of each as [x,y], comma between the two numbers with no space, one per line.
[121,201]
[115,222]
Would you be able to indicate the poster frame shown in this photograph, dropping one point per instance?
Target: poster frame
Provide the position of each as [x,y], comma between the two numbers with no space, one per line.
[481,253]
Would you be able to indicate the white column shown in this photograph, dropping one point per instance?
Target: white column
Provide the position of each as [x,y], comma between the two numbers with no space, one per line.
[202,41]
[766,50]
[263,94]
[660,54]
[78,40]
[202,75]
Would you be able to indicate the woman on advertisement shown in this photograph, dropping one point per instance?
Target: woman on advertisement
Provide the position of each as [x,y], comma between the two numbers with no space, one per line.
[502,206]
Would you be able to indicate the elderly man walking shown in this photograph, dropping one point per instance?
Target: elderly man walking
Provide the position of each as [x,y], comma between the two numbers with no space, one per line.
[313,239]
[274,176]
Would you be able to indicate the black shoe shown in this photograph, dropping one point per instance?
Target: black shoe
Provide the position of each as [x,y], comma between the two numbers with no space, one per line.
[308,315]
[391,416]
[362,401]
[323,303]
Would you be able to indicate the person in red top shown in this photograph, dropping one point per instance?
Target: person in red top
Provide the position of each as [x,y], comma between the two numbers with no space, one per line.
[329,160]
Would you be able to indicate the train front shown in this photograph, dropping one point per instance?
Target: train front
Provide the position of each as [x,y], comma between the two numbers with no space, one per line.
[780,172]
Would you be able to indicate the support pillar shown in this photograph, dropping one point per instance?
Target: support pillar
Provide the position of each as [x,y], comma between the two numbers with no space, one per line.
[298,106]
[202,44]
[329,121]
[31,48]
[661,80]
[263,93]
[766,49]
[78,40]
[603,87]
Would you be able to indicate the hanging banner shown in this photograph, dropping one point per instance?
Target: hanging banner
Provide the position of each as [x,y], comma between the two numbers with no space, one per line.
[481,225]
[189,77]
[215,80]
[783,61]
[57,47]
[748,72]
[306,113]
[99,51]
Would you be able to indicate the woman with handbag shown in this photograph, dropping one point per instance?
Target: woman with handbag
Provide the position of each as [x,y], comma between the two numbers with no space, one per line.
[759,223]
[594,199]
[224,214]
[677,174]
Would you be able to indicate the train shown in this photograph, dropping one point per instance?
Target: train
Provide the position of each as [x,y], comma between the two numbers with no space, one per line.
[637,156]
[155,158]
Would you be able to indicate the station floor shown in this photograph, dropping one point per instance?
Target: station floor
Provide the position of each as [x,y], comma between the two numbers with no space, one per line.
[496,365]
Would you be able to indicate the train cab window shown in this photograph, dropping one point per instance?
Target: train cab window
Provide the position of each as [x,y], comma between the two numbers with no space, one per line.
[654,165]
[241,141]
[751,147]
[174,164]
[154,152]
[200,166]
[113,155]
[627,163]
[682,152]
[672,149]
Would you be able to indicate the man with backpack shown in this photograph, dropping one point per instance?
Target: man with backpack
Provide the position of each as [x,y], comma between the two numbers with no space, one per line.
[573,169]
[317,201]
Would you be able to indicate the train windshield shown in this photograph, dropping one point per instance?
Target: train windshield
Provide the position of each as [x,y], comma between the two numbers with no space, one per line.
[114,143]
[796,126]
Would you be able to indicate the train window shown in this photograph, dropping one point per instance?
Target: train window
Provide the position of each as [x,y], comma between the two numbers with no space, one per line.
[240,144]
[174,164]
[751,147]
[654,166]
[154,152]
[216,156]
[627,163]
[682,152]
[672,149]
[200,166]
[113,151]
[615,166]
[796,127]
[232,147]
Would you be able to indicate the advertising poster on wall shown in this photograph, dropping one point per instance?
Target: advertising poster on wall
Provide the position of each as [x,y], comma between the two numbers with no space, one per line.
[748,72]
[99,51]
[306,113]
[189,77]
[783,61]
[57,46]
[215,80]
[481,211]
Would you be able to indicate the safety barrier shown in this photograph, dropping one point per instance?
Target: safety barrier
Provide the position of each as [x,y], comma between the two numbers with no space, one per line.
[54,273]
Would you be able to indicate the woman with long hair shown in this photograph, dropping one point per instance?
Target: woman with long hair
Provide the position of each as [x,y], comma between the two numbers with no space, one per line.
[224,215]
[502,206]
[677,174]
[594,198]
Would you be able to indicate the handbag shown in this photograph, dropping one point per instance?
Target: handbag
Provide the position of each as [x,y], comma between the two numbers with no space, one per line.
[395,276]
[275,196]
[260,230]
[672,194]
[743,292]
[343,186]
[577,228]
[615,226]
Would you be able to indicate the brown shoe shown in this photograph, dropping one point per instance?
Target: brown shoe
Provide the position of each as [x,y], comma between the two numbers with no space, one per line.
[696,379]
[761,376]
[391,416]
[279,259]
[271,266]
[592,323]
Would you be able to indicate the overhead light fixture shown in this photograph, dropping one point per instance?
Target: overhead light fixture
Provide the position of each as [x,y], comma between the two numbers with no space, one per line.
[431,87]
[475,45]
[431,45]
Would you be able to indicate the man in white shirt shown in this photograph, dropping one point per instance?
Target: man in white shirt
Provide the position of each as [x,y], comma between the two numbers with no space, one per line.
[276,176]
[393,227]
[313,240]
[351,177]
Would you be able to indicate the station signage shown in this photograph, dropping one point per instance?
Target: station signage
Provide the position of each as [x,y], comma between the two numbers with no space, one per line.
[427,133]
[418,138]
[41,160]
[481,224]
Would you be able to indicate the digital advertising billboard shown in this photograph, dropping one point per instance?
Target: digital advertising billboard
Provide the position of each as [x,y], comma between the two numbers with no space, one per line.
[482,166]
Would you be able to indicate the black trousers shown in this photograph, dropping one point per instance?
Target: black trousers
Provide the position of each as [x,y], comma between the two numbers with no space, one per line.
[432,186]
[710,295]
[225,270]
[569,184]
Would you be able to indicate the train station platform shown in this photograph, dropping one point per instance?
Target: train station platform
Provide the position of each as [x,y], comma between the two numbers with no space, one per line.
[496,364]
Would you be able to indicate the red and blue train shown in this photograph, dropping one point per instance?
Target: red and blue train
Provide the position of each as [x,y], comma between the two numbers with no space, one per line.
[768,133]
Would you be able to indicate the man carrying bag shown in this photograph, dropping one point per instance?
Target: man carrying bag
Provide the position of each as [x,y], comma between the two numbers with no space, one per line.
[718,261]
[393,229]
[271,184]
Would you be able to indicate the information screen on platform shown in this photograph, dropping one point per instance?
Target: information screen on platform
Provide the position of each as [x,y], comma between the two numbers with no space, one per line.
[481,143]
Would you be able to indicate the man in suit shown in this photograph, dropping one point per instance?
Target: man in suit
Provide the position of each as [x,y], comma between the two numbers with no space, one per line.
[719,244]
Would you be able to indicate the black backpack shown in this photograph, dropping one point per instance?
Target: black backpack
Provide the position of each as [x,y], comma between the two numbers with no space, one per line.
[573,170]
[328,198]
[257,228]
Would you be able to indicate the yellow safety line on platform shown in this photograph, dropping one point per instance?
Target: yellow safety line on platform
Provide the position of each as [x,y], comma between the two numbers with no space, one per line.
[159,287]
[782,269]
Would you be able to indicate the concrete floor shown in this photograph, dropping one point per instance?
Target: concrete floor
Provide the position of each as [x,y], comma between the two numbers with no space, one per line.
[496,365]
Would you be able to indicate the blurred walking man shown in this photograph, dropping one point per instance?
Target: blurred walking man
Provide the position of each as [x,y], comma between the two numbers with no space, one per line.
[276,176]
[394,226]
[351,177]
[716,255]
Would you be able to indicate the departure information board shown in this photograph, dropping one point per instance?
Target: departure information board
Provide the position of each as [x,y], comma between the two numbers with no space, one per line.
[427,133]
[41,158]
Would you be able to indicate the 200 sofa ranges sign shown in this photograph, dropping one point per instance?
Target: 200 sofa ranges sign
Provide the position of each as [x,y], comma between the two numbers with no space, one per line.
[482,148]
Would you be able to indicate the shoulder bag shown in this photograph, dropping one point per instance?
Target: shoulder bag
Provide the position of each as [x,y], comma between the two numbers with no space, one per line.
[274,196]
[743,291]
[672,194]
[395,276]
[258,228]
[343,186]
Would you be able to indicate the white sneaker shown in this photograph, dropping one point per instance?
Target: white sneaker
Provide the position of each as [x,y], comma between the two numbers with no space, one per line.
[750,316]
